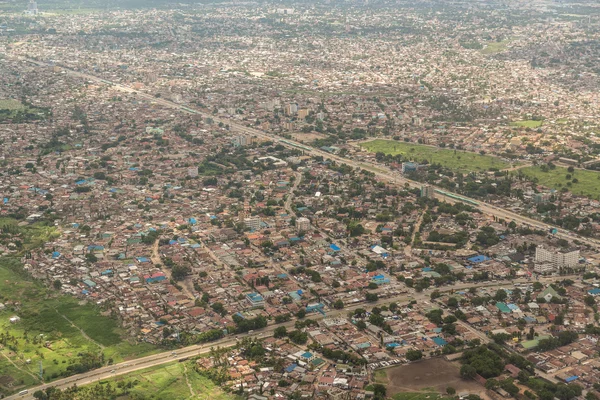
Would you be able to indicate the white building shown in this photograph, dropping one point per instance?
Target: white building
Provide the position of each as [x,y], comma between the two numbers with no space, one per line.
[252,223]
[544,268]
[556,257]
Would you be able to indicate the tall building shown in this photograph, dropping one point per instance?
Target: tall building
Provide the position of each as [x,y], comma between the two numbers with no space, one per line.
[302,224]
[240,141]
[557,258]
[32,7]
[427,191]
[252,223]
[291,109]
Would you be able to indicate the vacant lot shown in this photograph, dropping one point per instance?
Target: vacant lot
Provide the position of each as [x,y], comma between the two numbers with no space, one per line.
[307,137]
[431,376]
[587,182]
[171,381]
[460,161]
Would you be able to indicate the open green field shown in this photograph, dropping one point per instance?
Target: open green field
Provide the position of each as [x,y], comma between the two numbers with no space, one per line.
[11,105]
[527,124]
[495,47]
[53,329]
[460,161]
[58,330]
[11,109]
[29,236]
[588,181]
[171,382]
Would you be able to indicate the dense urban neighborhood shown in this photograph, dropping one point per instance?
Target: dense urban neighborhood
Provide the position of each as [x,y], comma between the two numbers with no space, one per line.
[333,200]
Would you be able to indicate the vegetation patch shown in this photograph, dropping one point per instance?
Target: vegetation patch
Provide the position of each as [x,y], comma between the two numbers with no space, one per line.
[460,161]
[14,111]
[527,123]
[65,336]
[175,381]
[579,181]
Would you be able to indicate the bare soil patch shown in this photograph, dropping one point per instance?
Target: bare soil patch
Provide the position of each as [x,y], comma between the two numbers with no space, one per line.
[435,374]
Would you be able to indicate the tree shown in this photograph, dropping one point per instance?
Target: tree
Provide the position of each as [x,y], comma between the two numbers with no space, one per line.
[218,308]
[414,355]
[500,295]
[40,395]
[179,272]
[57,284]
[379,391]
[280,331]
[301,313]
[491,384]
[453,302]
[371,297]
[467,371]
[298,337]
[590,300]
[91,257]
[338,304]
[450,390]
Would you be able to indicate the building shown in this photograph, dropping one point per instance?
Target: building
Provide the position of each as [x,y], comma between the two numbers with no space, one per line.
[255,299]
[544,268]
[32,7]
[302,224]
[558,258]
[240,141]
[291,109]
[409,167]
[542,198]
[252,223]
[427,191]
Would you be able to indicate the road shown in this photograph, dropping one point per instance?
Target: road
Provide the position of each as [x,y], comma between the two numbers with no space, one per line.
[196,350]
[381,171]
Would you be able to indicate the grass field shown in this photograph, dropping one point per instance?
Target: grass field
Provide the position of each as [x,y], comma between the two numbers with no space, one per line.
[53,329]
[527,124]
[11,105]
[164,382]
[30,236]
[588,185]
[460,161]
[495,47]
[13,110]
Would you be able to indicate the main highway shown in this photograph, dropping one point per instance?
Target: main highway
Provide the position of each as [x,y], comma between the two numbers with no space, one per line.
[185,353]
[380,171]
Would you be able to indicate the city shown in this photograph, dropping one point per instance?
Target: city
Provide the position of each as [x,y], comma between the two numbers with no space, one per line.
[299,200]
